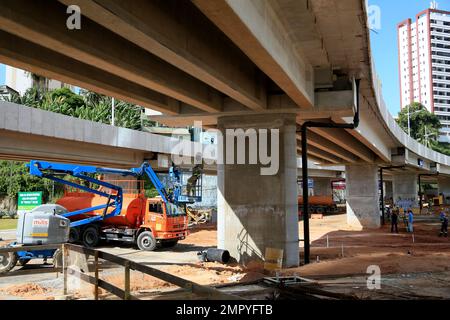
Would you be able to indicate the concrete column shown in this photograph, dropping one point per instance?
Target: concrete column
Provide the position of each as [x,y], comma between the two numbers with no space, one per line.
[322,186]
[258,211]
[388,190]
[405,190]
[362,196]
[444,188]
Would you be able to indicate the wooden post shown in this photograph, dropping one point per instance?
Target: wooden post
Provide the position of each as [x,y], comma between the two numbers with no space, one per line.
[127,280]
[65,264]
[96,275]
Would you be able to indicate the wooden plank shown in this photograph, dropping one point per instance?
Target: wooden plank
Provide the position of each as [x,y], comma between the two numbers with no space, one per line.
[96,275]
[127,281]
[180,282]
[101,283]
[65,253]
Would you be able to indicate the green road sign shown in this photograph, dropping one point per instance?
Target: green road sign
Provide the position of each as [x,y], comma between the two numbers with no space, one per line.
[29,200]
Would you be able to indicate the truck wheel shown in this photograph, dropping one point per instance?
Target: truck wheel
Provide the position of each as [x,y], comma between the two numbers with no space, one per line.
[57,258]
[169,243]
[91,237]
[8,260]
[74,235]
[146,241]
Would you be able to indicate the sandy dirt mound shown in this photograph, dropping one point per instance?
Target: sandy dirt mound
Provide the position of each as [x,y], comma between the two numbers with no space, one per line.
[26,290]
[206,273]
[203,235]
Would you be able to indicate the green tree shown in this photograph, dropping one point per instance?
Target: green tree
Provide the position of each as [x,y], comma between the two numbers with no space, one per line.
[14,177]
[87,105]
[424,125]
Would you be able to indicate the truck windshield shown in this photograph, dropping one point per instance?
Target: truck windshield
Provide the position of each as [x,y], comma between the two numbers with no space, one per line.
[173,210]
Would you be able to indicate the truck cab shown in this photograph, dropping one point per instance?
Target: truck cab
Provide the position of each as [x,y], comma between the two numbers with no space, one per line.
[167,223]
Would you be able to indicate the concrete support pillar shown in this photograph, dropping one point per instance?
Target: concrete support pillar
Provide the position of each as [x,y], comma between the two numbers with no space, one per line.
[362,196]
[444,188]
[405,190]
[322,186]
[388,190]
[257,211]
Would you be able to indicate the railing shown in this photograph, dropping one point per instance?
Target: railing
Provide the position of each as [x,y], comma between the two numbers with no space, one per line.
[125,293]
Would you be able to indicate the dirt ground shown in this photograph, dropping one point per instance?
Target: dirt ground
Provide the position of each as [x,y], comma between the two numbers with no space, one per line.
[351,252]
[411,266]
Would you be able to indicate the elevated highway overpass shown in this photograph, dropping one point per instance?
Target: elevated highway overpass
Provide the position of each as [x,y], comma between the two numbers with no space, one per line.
[237,64]
[29,133]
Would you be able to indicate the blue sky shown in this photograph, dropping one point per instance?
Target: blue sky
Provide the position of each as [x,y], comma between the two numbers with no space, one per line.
[384,42]
[2,74]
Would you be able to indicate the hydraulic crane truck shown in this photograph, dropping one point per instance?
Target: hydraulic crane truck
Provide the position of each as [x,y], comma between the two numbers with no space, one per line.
[147,222]
[103,211]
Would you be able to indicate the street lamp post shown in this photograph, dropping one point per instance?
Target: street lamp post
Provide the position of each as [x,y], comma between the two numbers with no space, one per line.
[113,109]
[426,135]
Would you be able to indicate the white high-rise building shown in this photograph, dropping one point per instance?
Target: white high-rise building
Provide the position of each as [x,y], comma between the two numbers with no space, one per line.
[21,80]
[424,63]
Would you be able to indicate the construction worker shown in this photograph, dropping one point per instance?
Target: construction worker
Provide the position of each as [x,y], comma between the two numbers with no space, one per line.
[388,213]
[394,221]
[174,173]
[444,226]
[192,181]
[410,220]
[441,215]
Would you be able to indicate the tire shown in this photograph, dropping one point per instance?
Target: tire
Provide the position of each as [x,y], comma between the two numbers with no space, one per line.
[57,258]
[8,261]
[146,241]
[169,243]
[91,237]
[74,235]
[23,262]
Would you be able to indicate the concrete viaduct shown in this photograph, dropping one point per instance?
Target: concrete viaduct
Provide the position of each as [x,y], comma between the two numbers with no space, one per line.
[237,64]
[29,133]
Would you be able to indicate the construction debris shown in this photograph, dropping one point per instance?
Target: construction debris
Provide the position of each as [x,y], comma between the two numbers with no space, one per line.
[198,216]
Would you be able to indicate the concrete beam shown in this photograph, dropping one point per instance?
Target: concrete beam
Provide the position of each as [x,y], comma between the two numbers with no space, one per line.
[99,47]
[347,141]
[367,132]
[315,157]
[14,51]
[321,154]
[25,147]
[34,133]
[175,32]
[280,103]
[255,28]
[318,141]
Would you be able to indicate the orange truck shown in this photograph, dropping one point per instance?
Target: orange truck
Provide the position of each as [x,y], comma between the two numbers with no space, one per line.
[318,204]
[118,210]
[148,222]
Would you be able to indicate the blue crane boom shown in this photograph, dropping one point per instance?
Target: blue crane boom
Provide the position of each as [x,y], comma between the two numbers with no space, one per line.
[50,170]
